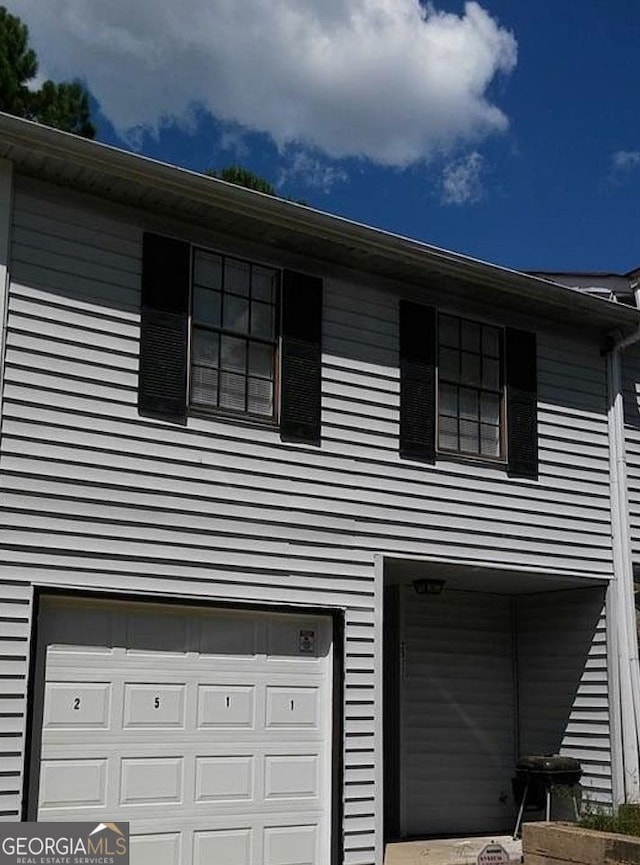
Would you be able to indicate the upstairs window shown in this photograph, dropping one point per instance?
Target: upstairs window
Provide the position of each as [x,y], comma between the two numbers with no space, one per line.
[234,314]
[470,388]
[224,334]
[467,388]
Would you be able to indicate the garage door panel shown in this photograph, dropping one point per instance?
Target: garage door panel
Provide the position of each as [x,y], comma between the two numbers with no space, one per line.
[226,705]
[229,636]
[224,669]
[291,845]
[92,633]
[231,846]
[157,849]
[291,776]
[159,634]
[225,778]
[292,707]
[73,705]
[210,754]
[73,784]
[152,704]
[152,780]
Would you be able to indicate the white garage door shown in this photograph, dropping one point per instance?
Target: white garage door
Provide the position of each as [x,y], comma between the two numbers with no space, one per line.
[209,731]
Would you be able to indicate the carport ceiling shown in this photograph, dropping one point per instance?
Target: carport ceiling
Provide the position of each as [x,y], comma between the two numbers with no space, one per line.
[478,578]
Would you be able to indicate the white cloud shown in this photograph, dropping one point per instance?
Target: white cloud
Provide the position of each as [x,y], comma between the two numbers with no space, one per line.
[462,180]
[391,80]
[311,171]
[625,160]
[232,139]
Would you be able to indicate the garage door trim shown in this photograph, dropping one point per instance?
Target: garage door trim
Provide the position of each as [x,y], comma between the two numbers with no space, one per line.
[336,615]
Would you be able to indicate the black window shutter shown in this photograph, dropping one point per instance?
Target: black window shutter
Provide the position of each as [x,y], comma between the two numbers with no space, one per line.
[522,403]
[301,362]
[162,380]
[417,381]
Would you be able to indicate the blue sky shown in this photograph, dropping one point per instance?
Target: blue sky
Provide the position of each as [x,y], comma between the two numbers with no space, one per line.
[509,131]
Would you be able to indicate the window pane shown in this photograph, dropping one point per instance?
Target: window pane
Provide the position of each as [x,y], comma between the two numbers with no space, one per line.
[204,386]
[233,354]
[206,306]
[205,347]
[491,374]
[490,440]
[448,433]
[449,331]
[469,386]
[448,399]
[237,276]
[261,360]
[207,270]
[232,391]
[470,368]
[468,404]
[491,341]
[263,284]
[469,441]
[236,314]
[470,336]
[260,397]
[262,320]
[490,408]
[449,365]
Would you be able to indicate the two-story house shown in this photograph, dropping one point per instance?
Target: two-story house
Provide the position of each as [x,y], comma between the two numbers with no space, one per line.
[308,530]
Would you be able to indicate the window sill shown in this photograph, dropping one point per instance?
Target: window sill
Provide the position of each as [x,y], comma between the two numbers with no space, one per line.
[231,418]
[470,459]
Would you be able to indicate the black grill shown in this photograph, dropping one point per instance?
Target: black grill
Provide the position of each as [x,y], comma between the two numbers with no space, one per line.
[537,775]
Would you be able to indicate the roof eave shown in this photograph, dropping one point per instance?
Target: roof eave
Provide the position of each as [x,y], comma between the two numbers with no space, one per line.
[111,162]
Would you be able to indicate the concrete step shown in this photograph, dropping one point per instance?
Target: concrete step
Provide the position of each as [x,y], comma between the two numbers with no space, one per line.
[448,851]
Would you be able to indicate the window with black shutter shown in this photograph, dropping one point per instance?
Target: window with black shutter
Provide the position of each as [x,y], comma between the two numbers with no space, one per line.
[164,328]
[522,403]
[229,336]
[467,388]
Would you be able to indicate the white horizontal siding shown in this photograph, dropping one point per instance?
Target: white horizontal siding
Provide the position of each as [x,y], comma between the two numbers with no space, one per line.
[15,635]
[96,496]
[563,683]
[631,386]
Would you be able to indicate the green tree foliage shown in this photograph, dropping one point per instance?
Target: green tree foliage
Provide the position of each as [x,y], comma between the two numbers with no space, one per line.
[18,64]
[244,177]
[64,106]
[249,179]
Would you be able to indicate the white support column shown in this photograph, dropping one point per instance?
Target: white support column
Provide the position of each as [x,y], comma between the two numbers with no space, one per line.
[378,560]
[6,220]
[624,690]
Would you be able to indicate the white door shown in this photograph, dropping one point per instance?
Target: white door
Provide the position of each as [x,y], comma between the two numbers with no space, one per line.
[209,731]
[458,713]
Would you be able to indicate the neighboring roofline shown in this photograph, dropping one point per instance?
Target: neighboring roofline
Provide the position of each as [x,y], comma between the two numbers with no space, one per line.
[598,273]
[121,165]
